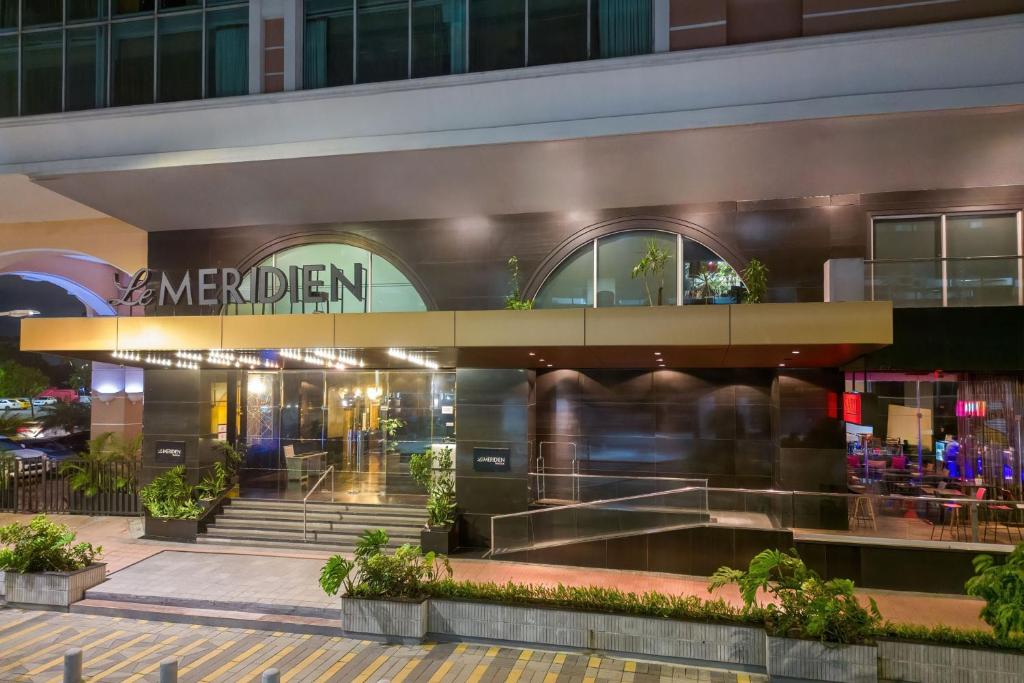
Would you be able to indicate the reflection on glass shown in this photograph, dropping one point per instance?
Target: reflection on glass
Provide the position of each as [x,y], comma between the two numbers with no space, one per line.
[85,80]
[180,58]
[707,278]
[392,291]
[985,235]
[983,282]
[438,37]
[908,238]
[180,4]
[618,256]
[40,72]
[327,44]
[86,10]
[558,31]
[571,284]
[227,53]
[8,14]
[621,28]
[9,75]
[133,6]
[37,12]
[497,32]
[131,54]
[382,40]
[908,284]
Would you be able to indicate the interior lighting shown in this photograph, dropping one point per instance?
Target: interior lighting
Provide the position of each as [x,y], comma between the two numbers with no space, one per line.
[127,355]
[550,365]
[414,358]
[532,353]
[657,353]
[194,356]
[782,365]
[795,352]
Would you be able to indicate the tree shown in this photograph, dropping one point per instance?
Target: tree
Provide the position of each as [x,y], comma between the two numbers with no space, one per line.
[81,375]
[19,380]
[652,264]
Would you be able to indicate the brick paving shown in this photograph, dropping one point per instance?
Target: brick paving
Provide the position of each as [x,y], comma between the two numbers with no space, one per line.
[119,536]
[32,645]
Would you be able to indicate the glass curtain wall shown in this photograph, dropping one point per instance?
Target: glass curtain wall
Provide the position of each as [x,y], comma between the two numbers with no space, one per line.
[366,424]
[640,268]
[70,55]
[364,41]
[948,260]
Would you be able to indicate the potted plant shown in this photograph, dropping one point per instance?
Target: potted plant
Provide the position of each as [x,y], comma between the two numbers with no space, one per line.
[384,594]
[755,277]
[652,264]
[172,507]
[43,566]
[514,301]
[817,630]
[433,471]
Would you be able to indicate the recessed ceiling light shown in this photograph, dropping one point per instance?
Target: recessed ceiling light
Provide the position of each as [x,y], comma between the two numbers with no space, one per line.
[657,353]
[550,365]
[782,365]
[532,353]
[542,360]
[796,352]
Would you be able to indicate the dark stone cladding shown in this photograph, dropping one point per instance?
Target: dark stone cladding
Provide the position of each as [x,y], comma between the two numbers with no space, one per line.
[459,264]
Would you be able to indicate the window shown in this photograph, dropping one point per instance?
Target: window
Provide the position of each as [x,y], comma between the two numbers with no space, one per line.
[608,266]
[70,55]
[364,41]
[381,285]
[947,260]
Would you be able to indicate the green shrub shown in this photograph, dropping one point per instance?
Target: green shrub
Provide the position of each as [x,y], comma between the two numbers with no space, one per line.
[755,277]
[405,574]
[433,471]
[169,496]
[421,467]
[213,484]
[945,635]
[805,605]
[102,468]
[1002,587]
[514,301]
[43,546]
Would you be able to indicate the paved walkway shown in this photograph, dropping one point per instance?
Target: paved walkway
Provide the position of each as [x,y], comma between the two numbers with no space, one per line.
[293,573]
[32,645]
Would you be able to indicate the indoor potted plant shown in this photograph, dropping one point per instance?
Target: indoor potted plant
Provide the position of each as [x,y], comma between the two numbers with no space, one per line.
[44,567]
[817,630]
[384,594]
[432,469]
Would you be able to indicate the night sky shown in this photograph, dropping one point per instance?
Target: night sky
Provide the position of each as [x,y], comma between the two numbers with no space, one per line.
[50,300]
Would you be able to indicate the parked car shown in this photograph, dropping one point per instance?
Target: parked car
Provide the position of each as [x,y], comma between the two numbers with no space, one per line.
[23,403]
[9,404]
[42,401]
[30,460]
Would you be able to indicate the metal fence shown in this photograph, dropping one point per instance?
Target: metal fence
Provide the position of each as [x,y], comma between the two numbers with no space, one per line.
[41,485]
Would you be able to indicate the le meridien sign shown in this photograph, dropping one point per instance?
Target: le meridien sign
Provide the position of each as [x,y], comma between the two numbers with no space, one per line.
[304,284]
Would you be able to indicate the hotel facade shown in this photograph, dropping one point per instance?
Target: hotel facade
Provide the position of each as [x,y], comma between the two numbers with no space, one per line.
[290,223]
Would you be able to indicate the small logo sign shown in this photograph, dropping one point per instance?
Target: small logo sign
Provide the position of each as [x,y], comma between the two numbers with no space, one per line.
[170,452]
[492,460]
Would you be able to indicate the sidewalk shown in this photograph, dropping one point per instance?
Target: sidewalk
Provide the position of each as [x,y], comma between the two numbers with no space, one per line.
[289,577]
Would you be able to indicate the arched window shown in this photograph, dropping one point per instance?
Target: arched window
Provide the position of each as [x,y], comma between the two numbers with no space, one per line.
[610,271]
[381,285]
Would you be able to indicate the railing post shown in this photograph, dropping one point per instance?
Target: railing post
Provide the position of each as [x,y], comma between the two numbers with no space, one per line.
[169,670]
[73,665]
[271,676]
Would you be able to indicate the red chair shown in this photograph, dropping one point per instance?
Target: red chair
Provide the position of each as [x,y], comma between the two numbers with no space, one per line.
[1002,514]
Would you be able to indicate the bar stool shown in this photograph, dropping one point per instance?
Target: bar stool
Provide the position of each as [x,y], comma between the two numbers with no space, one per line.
[956,520]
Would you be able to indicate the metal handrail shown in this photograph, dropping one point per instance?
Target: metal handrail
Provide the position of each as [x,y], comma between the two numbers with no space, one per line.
[312,490]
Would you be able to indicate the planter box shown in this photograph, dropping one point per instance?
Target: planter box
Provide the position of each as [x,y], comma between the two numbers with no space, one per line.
[811,660]
[920,663]
[727,644]
[179,530]
[384,618]
[441,540]
[52,589]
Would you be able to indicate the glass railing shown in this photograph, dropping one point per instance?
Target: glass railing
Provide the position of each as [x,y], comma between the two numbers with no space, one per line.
[600,519]
[964,281]
[552,488]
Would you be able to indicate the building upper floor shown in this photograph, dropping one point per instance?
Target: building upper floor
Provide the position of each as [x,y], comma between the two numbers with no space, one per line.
[72,55]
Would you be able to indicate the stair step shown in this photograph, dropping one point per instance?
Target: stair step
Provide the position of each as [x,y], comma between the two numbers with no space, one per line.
[336,538]
[348,518]
[291,545]
[247,523]
[323,506]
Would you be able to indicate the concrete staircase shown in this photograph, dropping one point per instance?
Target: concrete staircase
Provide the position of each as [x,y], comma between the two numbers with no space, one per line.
[331,526]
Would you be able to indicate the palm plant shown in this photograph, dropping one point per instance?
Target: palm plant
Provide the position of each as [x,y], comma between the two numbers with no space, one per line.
[755,276]
[652,264]
[102,468]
